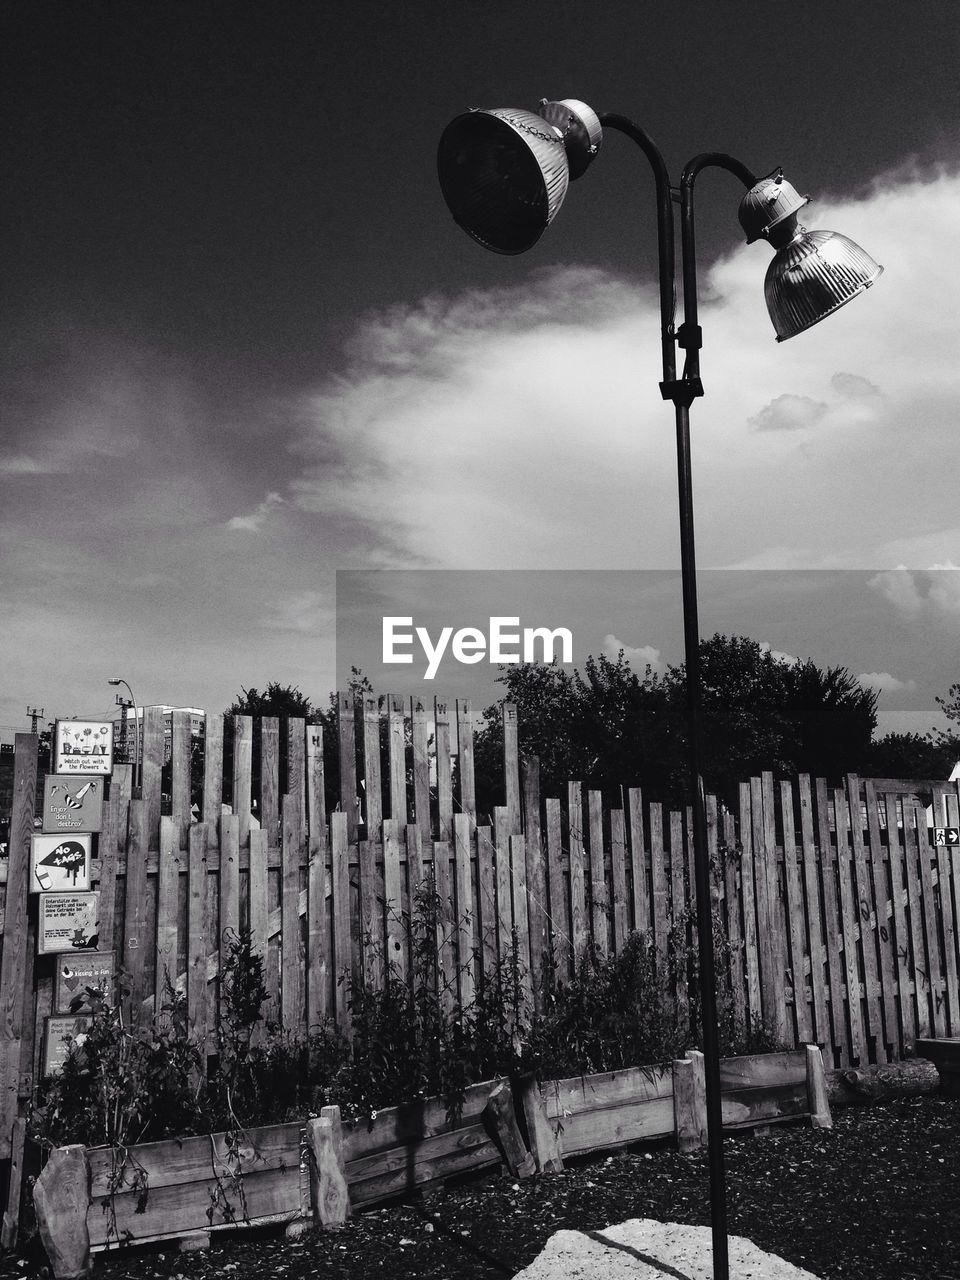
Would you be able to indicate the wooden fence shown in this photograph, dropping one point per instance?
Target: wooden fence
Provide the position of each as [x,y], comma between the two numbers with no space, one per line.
[839,910]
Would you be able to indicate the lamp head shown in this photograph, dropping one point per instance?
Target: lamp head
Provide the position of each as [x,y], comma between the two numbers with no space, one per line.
[813,273]
[114,682]
[504,172]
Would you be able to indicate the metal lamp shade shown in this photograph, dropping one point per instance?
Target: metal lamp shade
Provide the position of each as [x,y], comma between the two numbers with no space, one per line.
[812,276]
[503,174]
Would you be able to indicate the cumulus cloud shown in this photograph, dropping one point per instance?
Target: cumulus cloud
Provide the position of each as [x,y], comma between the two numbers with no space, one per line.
[253,522]
[934,592]
[303,611]
[778,655]
[523,427]
[639,658]
[884,682]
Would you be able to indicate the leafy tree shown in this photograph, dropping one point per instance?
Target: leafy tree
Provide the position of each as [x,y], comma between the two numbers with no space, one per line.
[276,700]
[913,755]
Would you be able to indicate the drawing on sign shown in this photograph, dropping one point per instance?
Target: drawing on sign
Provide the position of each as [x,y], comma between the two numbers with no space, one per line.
[60,1035]
[78,977]
[60,862]
[68,922]
[84,746]
[72,803]
[946,835]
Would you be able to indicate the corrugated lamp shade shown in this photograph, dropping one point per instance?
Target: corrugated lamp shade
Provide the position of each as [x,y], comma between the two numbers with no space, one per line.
[812,276]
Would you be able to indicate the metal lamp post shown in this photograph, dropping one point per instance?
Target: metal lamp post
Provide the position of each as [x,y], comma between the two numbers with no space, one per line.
[135,779]
[504,174]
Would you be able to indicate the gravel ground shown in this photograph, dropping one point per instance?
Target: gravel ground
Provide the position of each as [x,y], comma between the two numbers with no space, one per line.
[877,1196]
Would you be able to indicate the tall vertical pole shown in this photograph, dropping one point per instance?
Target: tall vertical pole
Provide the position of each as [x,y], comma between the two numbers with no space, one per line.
[701,860]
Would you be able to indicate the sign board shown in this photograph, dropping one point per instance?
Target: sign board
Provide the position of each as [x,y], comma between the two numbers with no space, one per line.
[946,835]
[59,1033]
[83,746]
[59,862]
[68,922]
[75,973]
[72,804]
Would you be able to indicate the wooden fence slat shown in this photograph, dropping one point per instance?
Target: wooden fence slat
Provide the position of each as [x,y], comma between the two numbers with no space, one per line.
[768,904]
[317,931]
[818,976]
[229,878]
[466,908]
[343,946]
[468,783]
[511,765]
[930,931]
[579,933]
[638,864]
[180,800]
[661,892]
[150,769]
[441,712]
[901,926]
[867,916]
[257,911]
[296,761]
[559,925]
[913,815]
[394,943]
[755,1010]
[243,776]
[599,904]
[397,760]
[446,926]
[487,895]
[536,879]
[196,934]
[420,739]
[315,785]
[269,799]
[166,969]
[504,877]
[738,974]
[212,767]
[372,781]
[878,871]
[795,916]
[829,872]
[136,944]
[618,878]
[370,907]
[112,836]
[848,917]
[943,803]
[291,946]
[521,918]
[680,928]
[347,732]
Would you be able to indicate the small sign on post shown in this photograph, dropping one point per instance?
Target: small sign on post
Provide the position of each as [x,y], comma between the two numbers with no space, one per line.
[72,803]
[77,976]
[946,835]
[59,1036]
[84,747]
[59,862]
[68,922]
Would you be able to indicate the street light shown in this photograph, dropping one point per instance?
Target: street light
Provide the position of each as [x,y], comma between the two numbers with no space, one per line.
[136,776]
[504,174]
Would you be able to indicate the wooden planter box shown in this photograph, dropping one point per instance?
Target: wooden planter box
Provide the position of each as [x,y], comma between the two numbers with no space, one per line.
[91,1198]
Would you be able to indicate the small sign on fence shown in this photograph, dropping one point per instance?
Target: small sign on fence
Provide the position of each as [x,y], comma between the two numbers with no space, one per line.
[946,835]
[72,804]
[75,974]
[68,922]
[59,1035]
[59,862]
[84,746]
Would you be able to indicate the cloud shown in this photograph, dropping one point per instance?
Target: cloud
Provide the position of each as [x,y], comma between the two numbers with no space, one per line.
[932,593]
[522,427]
[21,464]
[884,682]
[253,522]
[778,655]
[638,658]
[788,413]
[304,611]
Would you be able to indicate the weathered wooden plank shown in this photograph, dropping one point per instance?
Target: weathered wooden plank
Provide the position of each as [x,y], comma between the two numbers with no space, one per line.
[315,787]
[558,924]
[151,767]
[945,814]
[329,1193]
[168,910]
[257,888]
[817,1101]
[731,867]
[296,761]
[412,1122]
[212,767]
[867,916]
[317,932]
[848,917]
[340,886]
[441,713]
[10,1226]
[372,782]
[618,878]
[229,877]
[543,1140]
[913,817]
[747,1108]
[397,759]
[814,939]
[113,836]
[511,765]
[196,934]
[180,798]
[61,1201]
[929,913]
[877,869]
[828,869]
[291,938]
[243,776]
[607,1089]
[16,962]
[347,732]
[395,964]
[504,878]
[631,1122]
[680,927]
[466,908]
[751,953]
[764,852]
[796,916]
[690,1102]
[459,1152]
[446,925]
[468,783]
[599,901]
[268,813]
[487,902]
[521,918]
[536,880]
[579,932]
[901,924]
[500,1118]
[136,943]
[638,864]
[420,740]
[660,916]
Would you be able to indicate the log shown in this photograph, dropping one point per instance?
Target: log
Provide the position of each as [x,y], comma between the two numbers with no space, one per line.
[331,1198]
[882,1082]
[61,1196]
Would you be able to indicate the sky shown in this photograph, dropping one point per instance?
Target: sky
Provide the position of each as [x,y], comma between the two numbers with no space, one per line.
[245,347]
